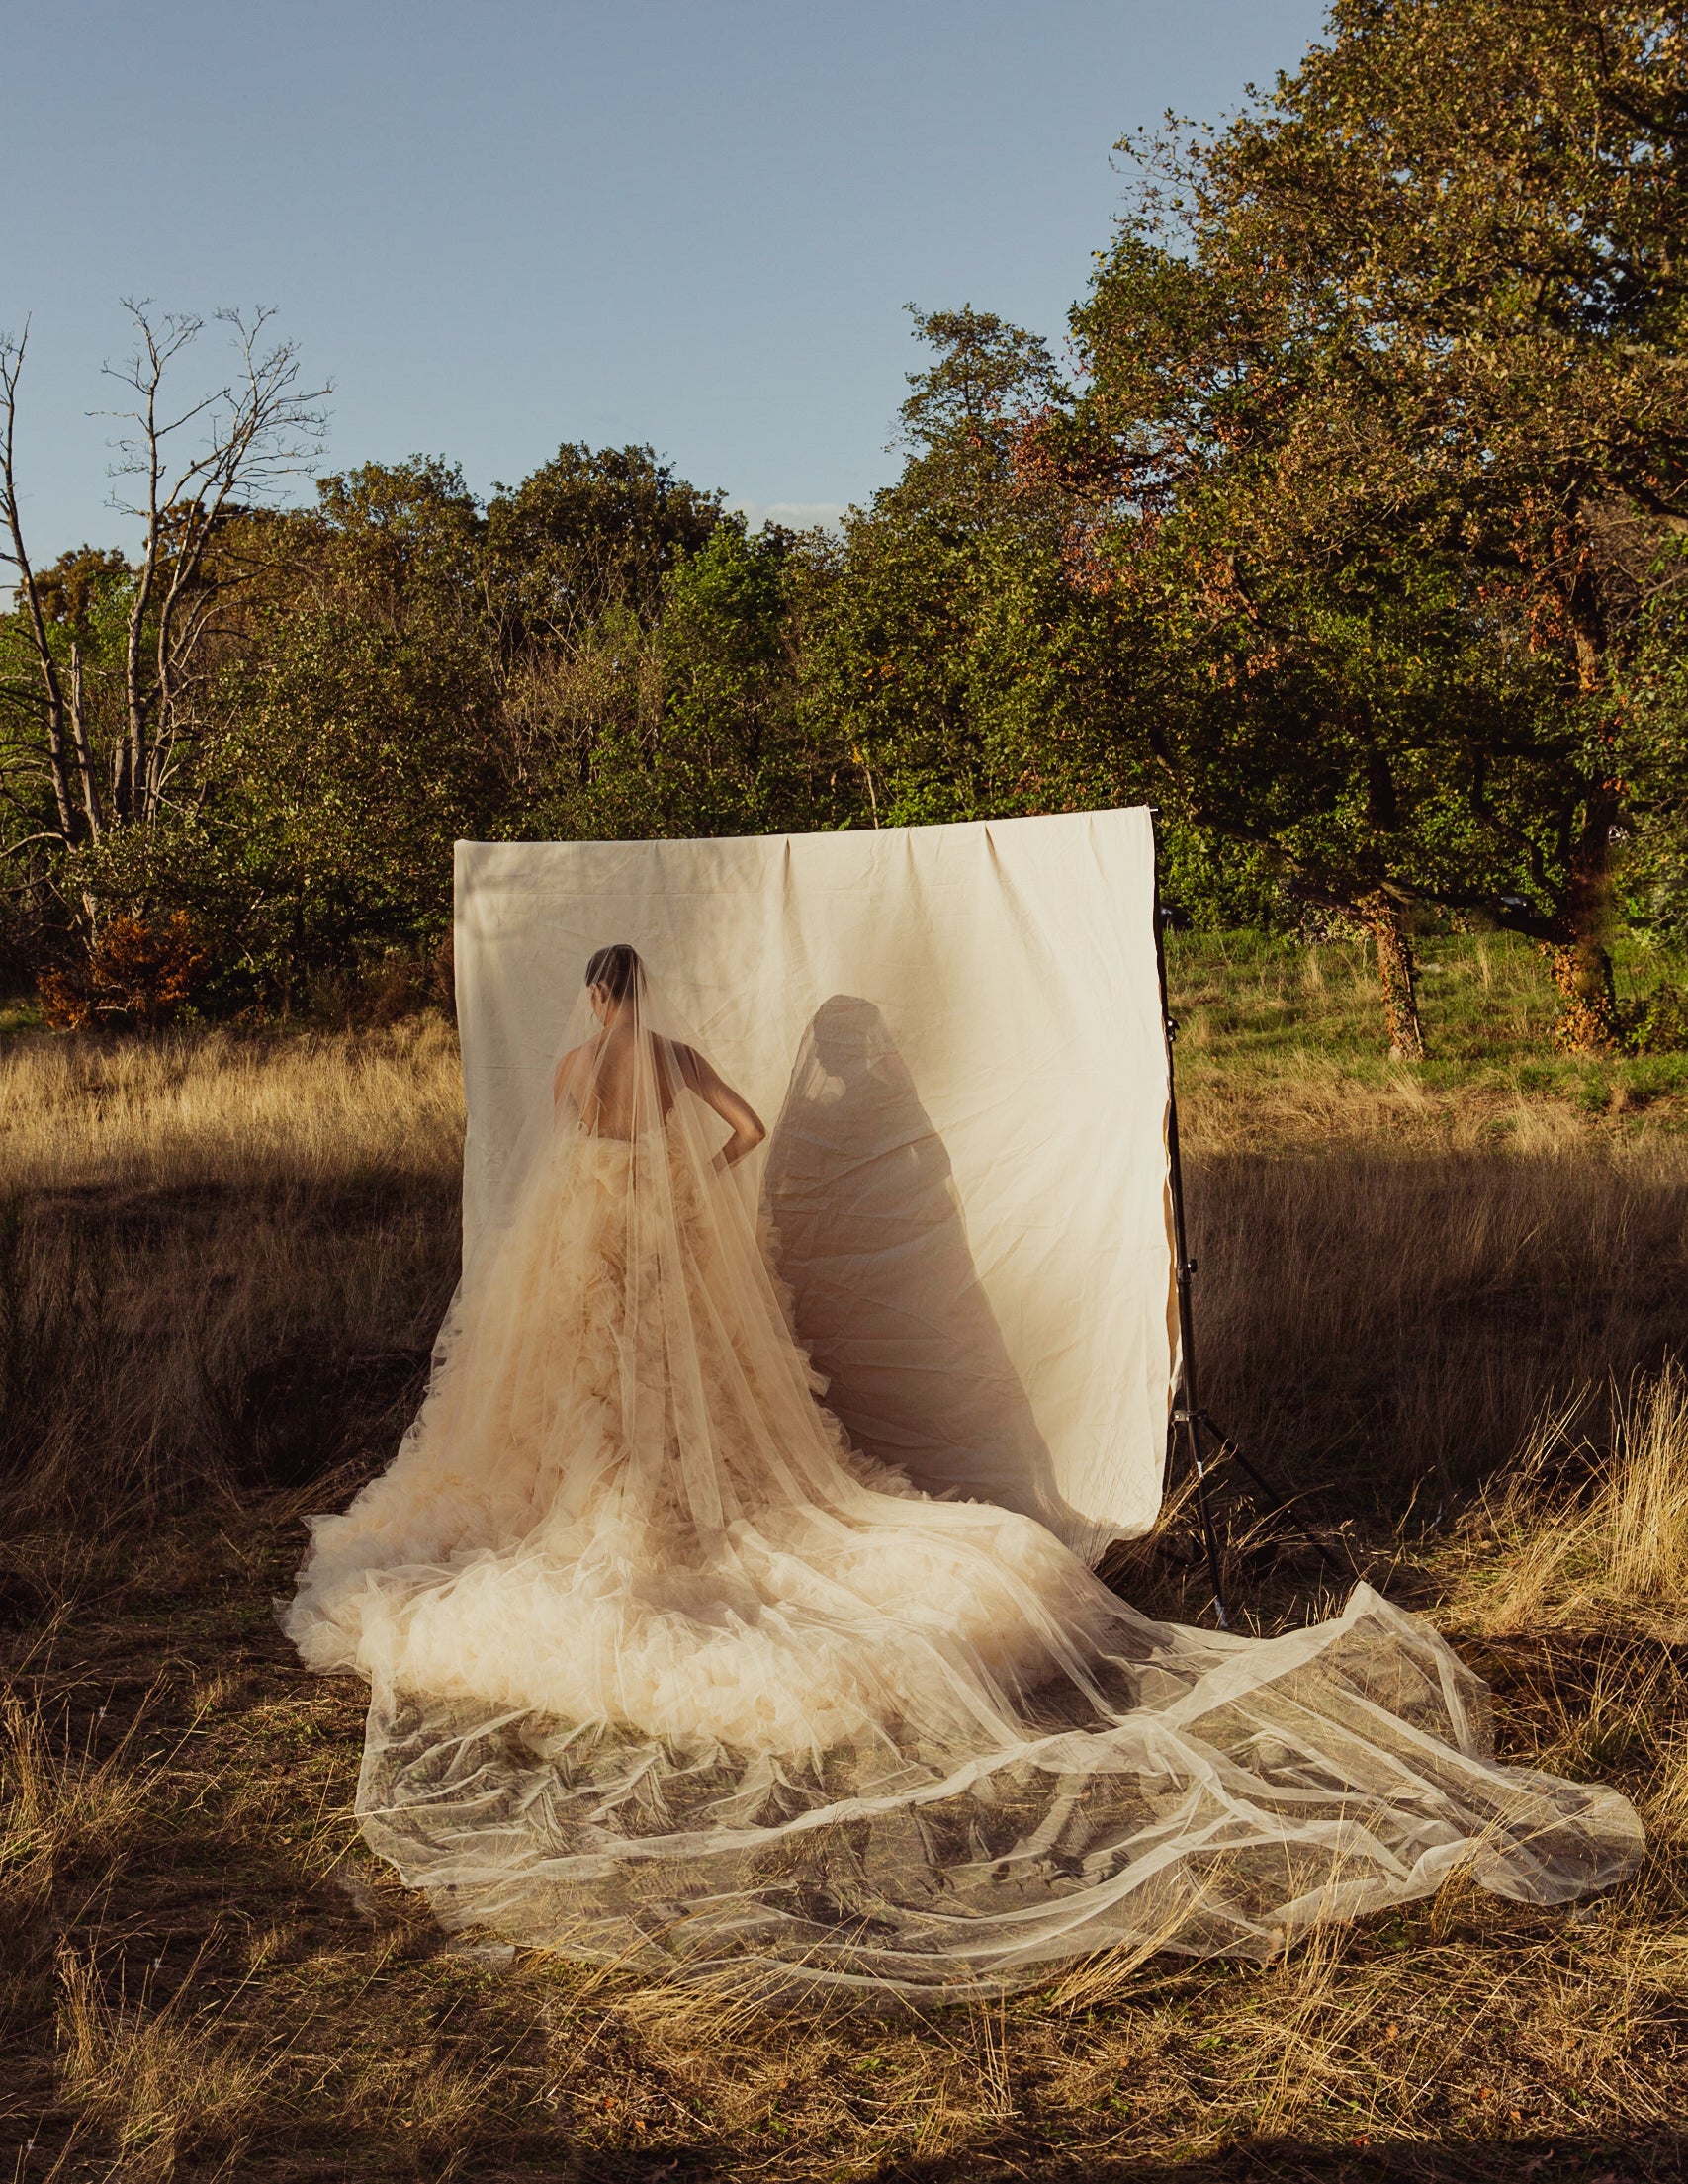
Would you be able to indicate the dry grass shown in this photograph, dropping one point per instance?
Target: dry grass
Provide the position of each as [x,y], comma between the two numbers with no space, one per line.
[221,1262]
[1582,1532]
[1401,1266]
[305,1114]
[1390,1316]
[157,2084]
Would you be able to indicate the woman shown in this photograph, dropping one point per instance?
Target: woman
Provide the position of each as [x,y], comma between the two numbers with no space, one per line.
[664,1670]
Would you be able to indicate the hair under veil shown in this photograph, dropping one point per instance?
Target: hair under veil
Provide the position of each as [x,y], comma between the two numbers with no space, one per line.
[664,1672]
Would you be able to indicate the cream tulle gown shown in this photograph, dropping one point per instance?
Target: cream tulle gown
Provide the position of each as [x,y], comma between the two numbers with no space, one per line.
[664,1672]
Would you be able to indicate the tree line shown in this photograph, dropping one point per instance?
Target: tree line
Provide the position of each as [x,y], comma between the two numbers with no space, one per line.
[1352,536]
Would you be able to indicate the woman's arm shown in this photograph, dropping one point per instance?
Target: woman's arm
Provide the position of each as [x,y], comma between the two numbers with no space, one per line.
[735,1110]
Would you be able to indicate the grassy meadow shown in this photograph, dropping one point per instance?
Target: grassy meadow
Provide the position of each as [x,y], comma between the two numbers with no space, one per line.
[1441,1302]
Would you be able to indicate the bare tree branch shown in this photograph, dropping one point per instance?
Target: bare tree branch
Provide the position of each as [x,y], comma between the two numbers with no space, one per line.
[257,429]
[12,351]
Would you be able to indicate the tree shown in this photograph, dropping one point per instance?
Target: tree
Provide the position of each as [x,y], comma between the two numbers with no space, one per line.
[58,728]
[153,629]
[346,741]
[743,750]
[1653,862]
[576,559]
[1413,325]
[256,430]
[588,533]
[953,653]
[58,712]
[963,415]
[700,724]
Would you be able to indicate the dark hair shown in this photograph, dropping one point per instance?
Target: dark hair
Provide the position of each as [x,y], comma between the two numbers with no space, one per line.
[617,969]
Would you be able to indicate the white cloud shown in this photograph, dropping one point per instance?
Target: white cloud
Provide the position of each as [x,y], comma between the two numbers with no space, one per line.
[796,515]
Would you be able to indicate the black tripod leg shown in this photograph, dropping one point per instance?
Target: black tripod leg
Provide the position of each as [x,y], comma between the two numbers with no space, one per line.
[1281,1502]
[1191,1422]
[1187,1407]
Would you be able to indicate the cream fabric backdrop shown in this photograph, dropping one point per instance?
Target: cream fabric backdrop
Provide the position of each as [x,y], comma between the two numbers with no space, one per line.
[954,1036]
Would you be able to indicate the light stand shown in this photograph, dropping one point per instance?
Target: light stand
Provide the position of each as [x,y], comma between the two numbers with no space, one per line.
[1189,1420]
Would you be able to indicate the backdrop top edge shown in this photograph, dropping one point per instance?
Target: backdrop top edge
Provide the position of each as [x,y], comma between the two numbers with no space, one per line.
[1018,821]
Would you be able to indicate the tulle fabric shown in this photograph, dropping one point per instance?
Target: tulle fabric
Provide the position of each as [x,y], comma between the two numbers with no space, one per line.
[664,1672]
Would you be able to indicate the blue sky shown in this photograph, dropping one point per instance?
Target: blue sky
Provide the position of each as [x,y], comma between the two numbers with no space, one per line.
[496,227]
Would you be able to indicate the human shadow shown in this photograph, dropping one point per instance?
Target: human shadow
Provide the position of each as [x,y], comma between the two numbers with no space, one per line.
[868,1232]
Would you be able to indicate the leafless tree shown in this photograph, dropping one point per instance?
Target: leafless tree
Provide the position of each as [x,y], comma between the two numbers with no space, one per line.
[69,755]
[258,428]
[193,465]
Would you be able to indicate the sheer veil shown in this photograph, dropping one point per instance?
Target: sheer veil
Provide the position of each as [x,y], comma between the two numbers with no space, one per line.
[664,1670]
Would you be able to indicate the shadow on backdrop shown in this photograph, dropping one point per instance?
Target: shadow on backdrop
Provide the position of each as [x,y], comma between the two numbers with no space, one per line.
[868,1232]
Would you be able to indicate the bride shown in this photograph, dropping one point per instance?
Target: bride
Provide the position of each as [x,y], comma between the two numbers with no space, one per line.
[664,1672]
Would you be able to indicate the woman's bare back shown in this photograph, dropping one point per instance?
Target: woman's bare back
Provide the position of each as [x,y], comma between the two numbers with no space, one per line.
[602,1080]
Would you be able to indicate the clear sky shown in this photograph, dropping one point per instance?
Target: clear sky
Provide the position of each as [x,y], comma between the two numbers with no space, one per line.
[502,224]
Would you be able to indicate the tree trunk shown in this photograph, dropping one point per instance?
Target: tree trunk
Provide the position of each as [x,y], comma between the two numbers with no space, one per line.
[1397,974]
[134,707]
[1579,958]
[84,748]
[1578,955]
[52,689]
[1582,972]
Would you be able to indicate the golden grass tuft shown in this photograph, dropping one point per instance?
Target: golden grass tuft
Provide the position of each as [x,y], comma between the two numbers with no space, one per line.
[1575,1532]
[158,2086]
[67,1813]
[195,1109]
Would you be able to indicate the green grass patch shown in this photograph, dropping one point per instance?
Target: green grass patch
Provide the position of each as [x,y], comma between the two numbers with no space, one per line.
[1257,1004]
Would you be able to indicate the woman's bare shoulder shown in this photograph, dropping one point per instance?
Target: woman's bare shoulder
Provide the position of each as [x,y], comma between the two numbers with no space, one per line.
[685,1059]
[573,1064]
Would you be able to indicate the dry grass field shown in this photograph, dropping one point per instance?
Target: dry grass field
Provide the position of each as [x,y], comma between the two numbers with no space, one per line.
[1443,1304]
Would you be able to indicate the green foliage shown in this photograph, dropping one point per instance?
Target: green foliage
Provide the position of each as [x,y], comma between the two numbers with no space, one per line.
[1357,550]
[85,598]
[965,412]
[891,668]
[1383,422]
[1657,1023]
[1651,742]
[739,745]
[588,533]
[1212,885]
[698,726]
[349,742]
[954,653]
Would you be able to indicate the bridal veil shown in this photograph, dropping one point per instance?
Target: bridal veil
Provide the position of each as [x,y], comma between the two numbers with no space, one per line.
[664,1671]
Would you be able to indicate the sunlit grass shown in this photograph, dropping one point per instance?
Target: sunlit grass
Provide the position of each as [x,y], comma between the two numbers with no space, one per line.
[1289,1021]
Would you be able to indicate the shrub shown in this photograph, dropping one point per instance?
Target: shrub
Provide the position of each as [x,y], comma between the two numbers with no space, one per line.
[135,972]
[1656,1023]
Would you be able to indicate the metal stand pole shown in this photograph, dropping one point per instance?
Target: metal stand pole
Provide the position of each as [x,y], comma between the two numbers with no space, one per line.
[1186,1410]
[1188,1416]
